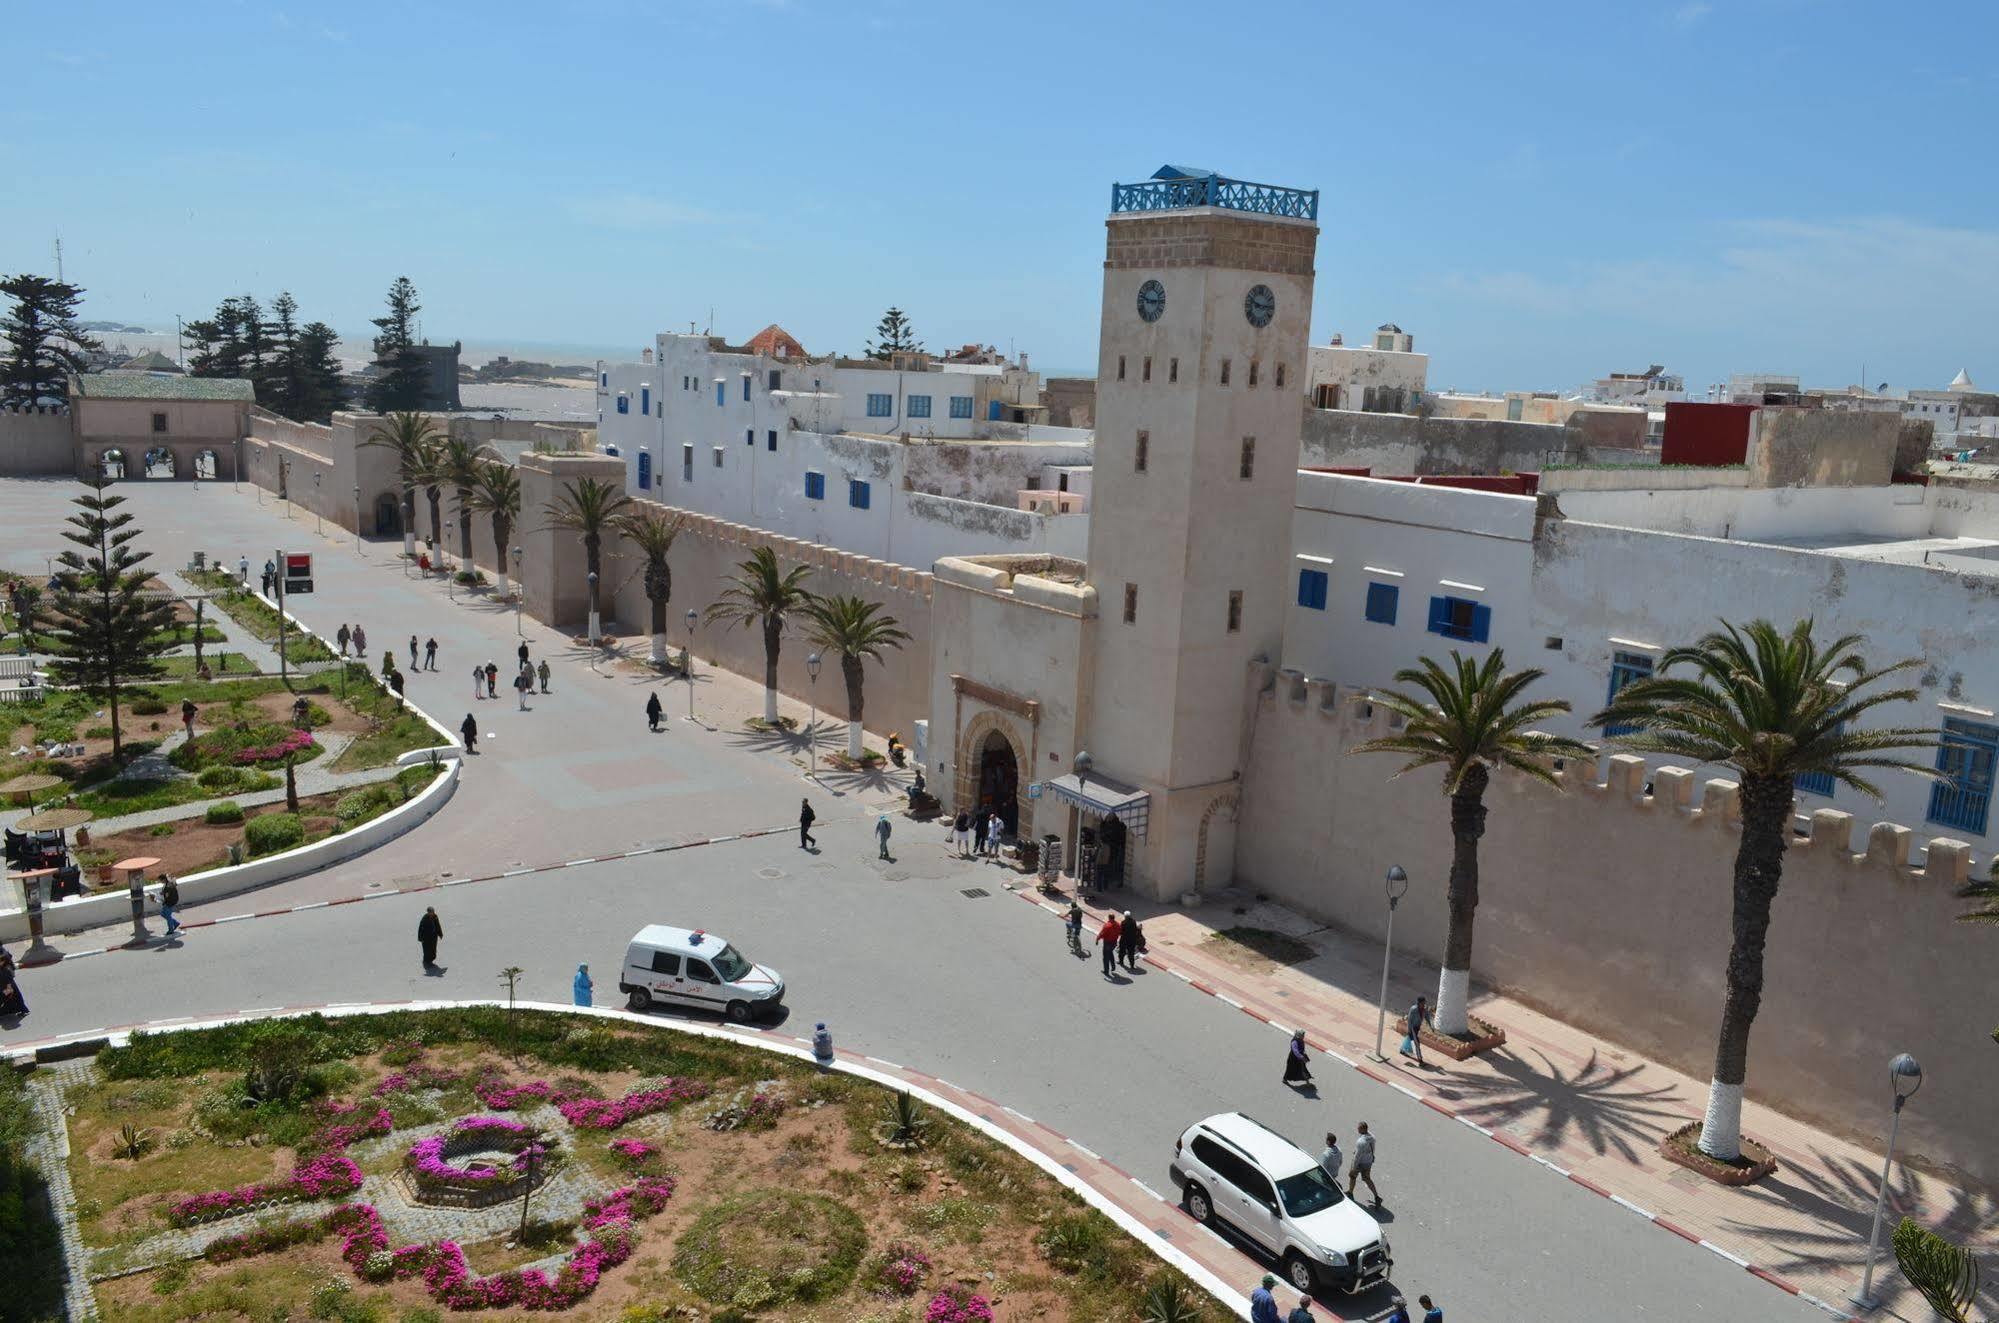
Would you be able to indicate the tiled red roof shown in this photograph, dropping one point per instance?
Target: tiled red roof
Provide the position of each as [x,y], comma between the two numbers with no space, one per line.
[777,342]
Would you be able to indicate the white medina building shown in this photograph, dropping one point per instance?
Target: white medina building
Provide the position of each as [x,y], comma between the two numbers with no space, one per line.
[905,461]
[1609,568]
[1386,375]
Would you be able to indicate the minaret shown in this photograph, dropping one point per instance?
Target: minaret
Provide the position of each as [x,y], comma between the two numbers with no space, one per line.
[1200,394]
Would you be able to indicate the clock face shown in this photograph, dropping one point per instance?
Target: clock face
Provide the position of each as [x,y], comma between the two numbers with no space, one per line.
[1151,300]
[1259,305]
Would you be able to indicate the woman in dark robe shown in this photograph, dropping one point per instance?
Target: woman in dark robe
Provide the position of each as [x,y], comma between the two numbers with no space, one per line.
[1296,1069]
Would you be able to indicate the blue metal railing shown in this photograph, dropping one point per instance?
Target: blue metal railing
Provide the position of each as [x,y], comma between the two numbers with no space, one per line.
[1967,757]
[1215,191]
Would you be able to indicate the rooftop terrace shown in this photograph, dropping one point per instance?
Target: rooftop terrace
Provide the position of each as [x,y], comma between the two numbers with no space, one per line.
[1177,188]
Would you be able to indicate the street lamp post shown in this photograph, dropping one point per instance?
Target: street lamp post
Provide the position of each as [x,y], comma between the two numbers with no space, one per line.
[593,609]
[687,660]
[520,594]
[1395,886]
[318,522]
[357,518]
[812,730]
[1903,1073]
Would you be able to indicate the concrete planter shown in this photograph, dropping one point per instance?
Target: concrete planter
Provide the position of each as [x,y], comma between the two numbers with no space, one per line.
[1680,1148]
[1484,1038]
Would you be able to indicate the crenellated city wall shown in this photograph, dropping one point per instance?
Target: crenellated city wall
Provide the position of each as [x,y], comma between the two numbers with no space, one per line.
[1608,904]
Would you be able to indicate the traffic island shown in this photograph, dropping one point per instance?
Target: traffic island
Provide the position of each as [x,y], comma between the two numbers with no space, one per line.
[1683,1147]
[1481,1037]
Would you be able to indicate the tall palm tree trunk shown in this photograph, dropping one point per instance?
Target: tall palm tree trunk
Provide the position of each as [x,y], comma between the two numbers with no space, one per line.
[773,633]
[658,630]
[1467,825]
[850,667]
[432,495]
[409,522]
[502,534]
[464,495]
[1759,867]
[592,544]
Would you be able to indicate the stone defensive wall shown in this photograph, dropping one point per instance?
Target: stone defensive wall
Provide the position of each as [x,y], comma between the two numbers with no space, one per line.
[36,442]
[1608,905]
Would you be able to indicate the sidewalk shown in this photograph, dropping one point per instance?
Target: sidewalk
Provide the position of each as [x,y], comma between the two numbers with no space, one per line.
[1586,1110]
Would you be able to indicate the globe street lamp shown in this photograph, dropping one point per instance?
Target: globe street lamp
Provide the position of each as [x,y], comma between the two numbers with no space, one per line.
[1395,886]
[812,730]
[687,660]
[1904,1077]
[520,594]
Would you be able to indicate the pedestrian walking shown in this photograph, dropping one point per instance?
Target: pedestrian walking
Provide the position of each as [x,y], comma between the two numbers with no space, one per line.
[1412,1042]
[492,680]
[1399,1313]
[1431,1314]
[169,903]
[430,654]
[12,1003]
[521,687]
[478,681]
[341,637]
[1130,941]
[805,817]
[1297,1061]
[961,832]
[243,570]
[1262,1304]
[360,642]
[187,715]
[1363,1165]
[542,671]
[1302,1313]
[430,931]
[412,652]
[388,663]
[396,686]
[580,987]
[979,832]
[1331,1161]
[469,728]
[882,830]
[995,826]
[652,712]
[523,654]
[1107,938]
[270,576]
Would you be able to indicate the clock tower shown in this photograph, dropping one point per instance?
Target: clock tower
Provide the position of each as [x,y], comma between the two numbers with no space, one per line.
[1200,392]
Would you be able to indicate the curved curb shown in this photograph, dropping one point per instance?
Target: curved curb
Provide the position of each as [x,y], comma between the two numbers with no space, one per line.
[881,1072]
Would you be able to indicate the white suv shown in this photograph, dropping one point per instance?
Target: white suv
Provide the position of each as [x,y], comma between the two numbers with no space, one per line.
[1236,1169]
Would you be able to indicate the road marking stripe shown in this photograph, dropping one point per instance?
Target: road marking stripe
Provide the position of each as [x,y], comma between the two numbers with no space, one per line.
[1645,1213]
[1589,1185]
[1023,1116]
[1148,1189]
[232,918]
[461,881]
[265,914]
[713,840]
[516,872]
[1405,1090]
[1436,1106]
[1344,1061]
[315,905]
[1085,1152]
[1464,1121]
[1509,1141]
[1676,1229]
[78,955]
[1735,1259]
[1177,974]
[344,900]
[1559,1171]
[1225,999]
[892,1066]
[633,854]
[373,895]
[578,863]
[940,1079]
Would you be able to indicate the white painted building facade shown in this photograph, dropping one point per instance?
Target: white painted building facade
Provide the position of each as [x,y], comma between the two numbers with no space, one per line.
[1386,375]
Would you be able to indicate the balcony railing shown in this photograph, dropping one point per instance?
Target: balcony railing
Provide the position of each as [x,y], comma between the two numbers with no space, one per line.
[1215,191]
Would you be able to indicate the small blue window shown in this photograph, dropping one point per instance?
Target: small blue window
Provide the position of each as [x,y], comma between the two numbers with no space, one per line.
[1819,783]
[1624,668]
[815,486]
[1312,589]
[645,400]
[919,406]
[721,394]
[857,493]
[645,470]
[770,441]
[961,406]
[746,387]
[1967,756]
[1382,601]
[624,404]
[880,406]
[1457,618]
[604,380]
[750,437]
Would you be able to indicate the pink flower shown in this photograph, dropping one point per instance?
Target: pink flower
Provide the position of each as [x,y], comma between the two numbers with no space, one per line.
[954,1304]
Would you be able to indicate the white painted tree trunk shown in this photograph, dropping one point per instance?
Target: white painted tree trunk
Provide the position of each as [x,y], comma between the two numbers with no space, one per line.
[409,542]
[505,592]
[770,705]
[596,630]
[658,649]
[1721,1128]
[1453,1002]
[853,739]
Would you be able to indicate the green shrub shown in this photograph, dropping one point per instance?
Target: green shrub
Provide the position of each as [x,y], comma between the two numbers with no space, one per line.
[765,1248]
[356,805]
[273,832]
[160,829]
[221,778]
[223,814]
[1079,1242]
[97,733]
[148,707]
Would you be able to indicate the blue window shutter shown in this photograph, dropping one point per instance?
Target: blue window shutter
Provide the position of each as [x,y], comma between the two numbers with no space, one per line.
[645,470]
[1312,589]
[645,399]
[721,396]
[1440,615]
[1481,623]
[770,441]
[624,404]
[815,486]
[604,380]
[1382,599]
[750,436]
[746,388]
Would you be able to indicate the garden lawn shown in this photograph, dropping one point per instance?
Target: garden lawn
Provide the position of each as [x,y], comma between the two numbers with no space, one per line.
[115,799]
[259,617]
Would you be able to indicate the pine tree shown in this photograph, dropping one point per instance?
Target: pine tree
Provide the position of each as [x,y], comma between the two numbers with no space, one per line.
[218,342]
[894,336]
[44,342]
[115,634]
[282,388]
[323,390]
[400,384]
[256,333]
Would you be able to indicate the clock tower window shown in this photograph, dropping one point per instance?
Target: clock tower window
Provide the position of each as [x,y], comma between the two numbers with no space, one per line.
[1280,376]
[1131,604]
[1248,457]
[1139,453]
[1145,371]
[1235,611]
[1120,367]
[1252,374]
[1172,370]
[1225,372]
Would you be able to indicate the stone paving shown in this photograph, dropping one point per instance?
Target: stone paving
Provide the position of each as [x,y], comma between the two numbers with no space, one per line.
[49,1152]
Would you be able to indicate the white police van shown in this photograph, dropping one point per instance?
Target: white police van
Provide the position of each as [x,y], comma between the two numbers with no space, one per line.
[689,967]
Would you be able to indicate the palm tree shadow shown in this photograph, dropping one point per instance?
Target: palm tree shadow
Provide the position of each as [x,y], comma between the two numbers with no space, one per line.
[779,740]
[1605,1105]
[872,778]
[1819,1216]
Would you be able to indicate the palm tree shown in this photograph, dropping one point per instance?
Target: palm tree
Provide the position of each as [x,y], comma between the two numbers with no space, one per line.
[458,462]
[653,533]
[856,629]
[433,477]
[1468,720]
[761,594]
[412,438]
[591,508]
[1774,707]
[497,494]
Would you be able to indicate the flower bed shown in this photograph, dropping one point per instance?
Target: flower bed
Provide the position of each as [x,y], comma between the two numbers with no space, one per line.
[429,1160]
[598,1114]
[329,1172]
[955,1304]
[899,1269]
[1683,1147]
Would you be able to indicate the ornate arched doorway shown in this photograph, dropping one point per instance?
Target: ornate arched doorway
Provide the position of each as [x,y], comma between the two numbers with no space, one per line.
[388,516]
[999,780]
[1214,849]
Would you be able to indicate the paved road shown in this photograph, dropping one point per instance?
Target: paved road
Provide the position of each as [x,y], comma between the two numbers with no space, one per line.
[893,956]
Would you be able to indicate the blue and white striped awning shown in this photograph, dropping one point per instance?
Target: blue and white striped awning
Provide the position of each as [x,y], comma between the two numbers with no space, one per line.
[1099,795]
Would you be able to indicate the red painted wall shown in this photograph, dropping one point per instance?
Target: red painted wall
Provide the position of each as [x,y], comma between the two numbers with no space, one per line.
[1706,434]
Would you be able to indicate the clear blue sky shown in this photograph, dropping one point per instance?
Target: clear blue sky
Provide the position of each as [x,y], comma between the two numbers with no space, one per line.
[1541,193]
